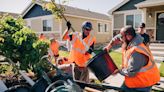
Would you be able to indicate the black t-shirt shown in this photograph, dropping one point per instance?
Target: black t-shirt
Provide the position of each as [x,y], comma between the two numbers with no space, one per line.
[146,38]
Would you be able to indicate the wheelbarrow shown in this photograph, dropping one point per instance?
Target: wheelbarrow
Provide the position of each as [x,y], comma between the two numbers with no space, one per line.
[105,63]
[60,81]
[64,81]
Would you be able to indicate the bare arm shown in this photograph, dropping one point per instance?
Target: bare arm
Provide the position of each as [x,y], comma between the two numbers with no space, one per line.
[115,40]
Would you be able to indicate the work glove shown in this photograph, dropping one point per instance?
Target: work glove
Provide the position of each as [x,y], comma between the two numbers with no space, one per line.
[89,51]
[68,25]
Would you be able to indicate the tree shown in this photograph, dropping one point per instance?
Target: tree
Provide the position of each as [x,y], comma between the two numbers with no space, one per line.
[20,43]
[56,9]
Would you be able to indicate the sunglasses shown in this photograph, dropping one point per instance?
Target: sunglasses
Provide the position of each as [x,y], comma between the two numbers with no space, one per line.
[87,29]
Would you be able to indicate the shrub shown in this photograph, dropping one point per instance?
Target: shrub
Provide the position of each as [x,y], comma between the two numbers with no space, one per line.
[20,43]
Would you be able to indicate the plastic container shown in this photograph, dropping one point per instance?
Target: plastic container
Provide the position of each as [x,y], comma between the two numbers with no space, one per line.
[102,65]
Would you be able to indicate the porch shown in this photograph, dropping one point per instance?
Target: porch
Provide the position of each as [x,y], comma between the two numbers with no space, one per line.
[153,16]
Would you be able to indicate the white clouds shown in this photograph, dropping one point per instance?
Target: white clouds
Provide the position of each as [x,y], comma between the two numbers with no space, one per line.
[101,6]
[15,6]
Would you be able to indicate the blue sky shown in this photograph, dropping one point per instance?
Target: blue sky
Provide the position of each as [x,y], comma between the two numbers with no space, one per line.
[101,6]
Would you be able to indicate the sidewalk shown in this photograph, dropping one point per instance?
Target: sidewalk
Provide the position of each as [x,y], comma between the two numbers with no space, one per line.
[117,80]
[161,86]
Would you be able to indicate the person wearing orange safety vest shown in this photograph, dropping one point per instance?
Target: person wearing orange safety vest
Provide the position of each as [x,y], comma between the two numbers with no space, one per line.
[138,65]
[42,37]
[82,45]
[54,48]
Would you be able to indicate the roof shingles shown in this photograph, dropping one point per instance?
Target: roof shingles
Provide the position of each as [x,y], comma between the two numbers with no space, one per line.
[84,13]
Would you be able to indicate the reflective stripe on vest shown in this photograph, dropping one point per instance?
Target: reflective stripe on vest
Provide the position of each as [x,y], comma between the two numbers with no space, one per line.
[153,63]
[73,41]
[82,41]
[147,53]
[148,75]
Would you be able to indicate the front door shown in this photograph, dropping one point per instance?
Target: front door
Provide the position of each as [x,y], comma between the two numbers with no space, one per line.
[160,27]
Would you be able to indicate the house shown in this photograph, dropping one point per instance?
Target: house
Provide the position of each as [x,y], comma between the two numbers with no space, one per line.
[133,12]
[42,21]
[15,15]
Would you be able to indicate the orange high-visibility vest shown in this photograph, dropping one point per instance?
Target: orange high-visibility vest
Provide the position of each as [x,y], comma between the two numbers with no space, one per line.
[148,75]
[79,48]
[42,37]
[54,46]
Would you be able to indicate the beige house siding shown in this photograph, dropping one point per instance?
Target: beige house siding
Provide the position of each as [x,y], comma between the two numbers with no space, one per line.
[56,25]
[35,16]
[103,36]
[151,21]
[36,24]
[77,23]
[59,27]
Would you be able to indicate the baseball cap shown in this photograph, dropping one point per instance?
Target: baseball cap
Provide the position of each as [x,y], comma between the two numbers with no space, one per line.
[142,25]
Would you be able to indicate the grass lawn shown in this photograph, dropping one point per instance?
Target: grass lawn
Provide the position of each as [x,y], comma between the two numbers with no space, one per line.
[162,69]
[116,56]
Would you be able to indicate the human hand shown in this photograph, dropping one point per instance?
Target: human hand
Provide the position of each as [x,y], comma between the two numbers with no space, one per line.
[59,61]
[115,72]
[68,25]
[107,48]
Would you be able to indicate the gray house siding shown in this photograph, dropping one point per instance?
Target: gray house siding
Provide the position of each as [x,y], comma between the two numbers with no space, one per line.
[36,11]
[118,21]
[119,18]
[129,5]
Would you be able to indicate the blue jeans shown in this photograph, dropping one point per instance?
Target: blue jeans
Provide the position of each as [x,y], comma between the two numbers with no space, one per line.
[126,89]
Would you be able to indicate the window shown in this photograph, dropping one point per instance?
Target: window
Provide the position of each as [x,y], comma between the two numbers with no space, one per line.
[161,19]
[134,20]
[129,20]
[138,20]
[106,27]
[102,27]
[47,25]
